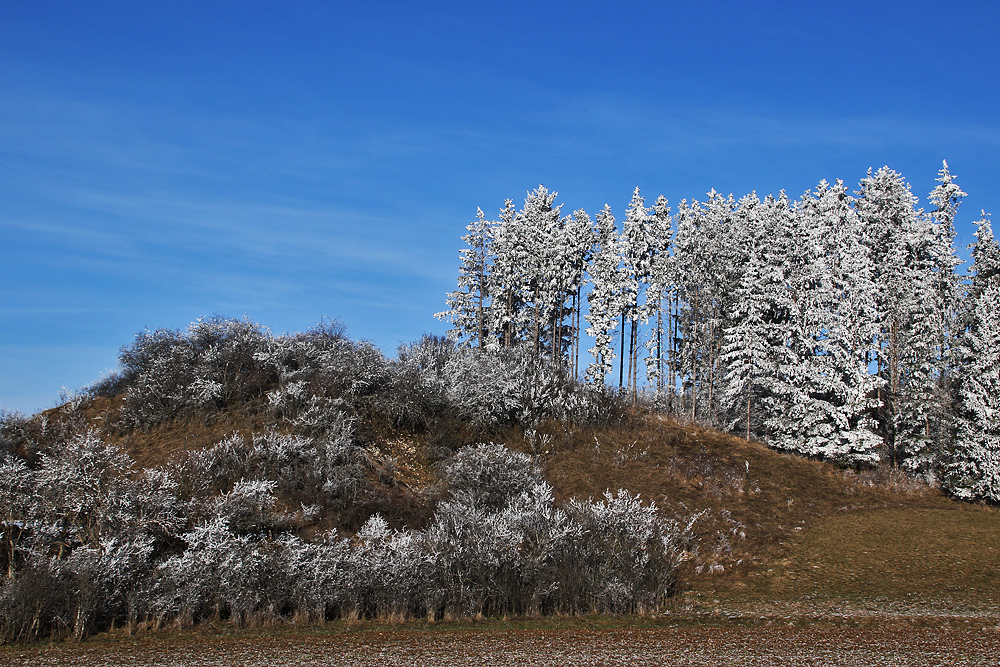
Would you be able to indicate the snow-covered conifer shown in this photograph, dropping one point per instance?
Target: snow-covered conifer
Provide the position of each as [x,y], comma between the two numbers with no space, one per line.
[659,296]
[603,297]
[467,305]
[973,470]
[900,240]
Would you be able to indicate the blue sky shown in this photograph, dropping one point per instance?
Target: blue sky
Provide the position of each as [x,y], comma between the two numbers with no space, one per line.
[292,161]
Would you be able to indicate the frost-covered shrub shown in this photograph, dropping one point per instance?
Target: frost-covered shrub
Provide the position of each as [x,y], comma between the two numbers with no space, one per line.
[35,600]
[81,534]
[328,363]
[435,378]
[497,560]
[248,507]
[218,574]
[500,545]
[78,486]
[489,475]
[14,432]
[324,470]
[123,549]
[319,576]
[416,393]
[109,581]
[626,553]
[215,363]
[389,569]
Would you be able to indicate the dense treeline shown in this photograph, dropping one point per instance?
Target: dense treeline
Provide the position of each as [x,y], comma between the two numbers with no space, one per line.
[837,325]
[256,528]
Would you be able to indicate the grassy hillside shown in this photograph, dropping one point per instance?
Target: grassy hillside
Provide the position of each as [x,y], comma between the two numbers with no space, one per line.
[775,526]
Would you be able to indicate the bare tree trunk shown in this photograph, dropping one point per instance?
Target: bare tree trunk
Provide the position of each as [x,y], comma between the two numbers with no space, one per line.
[579,307]
[537,316]
[749,395]
[659,343]
[674,351]
[633,363]
[621,361]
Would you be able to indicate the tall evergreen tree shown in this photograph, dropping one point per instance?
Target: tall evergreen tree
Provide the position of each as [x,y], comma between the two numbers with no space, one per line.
[506,314]
[659,296]
[748,351]
[539,223]
[947,295]
[468,304]
[826,406]
[603,297]
[899,241]
[973,470]
[581,236]
[637,246]
[973,465]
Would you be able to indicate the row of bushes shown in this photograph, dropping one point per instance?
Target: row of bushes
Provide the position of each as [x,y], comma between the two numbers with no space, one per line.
[219,364]
[89,542]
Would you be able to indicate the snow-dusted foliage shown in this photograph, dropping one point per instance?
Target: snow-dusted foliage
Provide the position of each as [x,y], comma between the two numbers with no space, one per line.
[605,306]
[521,278]
[80,532]
[500,544]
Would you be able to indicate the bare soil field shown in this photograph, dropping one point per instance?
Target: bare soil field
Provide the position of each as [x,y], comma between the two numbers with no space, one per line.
[946,641]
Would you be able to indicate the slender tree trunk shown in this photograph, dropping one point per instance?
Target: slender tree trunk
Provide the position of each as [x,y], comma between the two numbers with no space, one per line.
[537,317]
[480,314]
[633,363]
[674,346]
[579,307]
[894,387]
[694,362]
[621,361]
[659,343]
[749,395]
[509,324]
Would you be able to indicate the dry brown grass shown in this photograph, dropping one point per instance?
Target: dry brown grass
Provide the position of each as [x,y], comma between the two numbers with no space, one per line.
[944,557]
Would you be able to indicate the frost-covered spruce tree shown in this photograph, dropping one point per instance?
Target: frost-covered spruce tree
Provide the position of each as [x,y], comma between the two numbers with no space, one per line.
[568,251]
[746,351]
[948,293]
[726,255]
[467,306]
[900,241]
[985,258]
[832,309]
[659,296]
[974,467]
[603,298]
[637,246]
[580,237]
[540,223]
[506,313]
[708,257]
[753,345]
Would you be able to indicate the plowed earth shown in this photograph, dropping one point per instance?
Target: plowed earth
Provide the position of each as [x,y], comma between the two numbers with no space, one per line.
[952,642]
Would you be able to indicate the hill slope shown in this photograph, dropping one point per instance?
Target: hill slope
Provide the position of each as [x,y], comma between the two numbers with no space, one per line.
[776,526]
